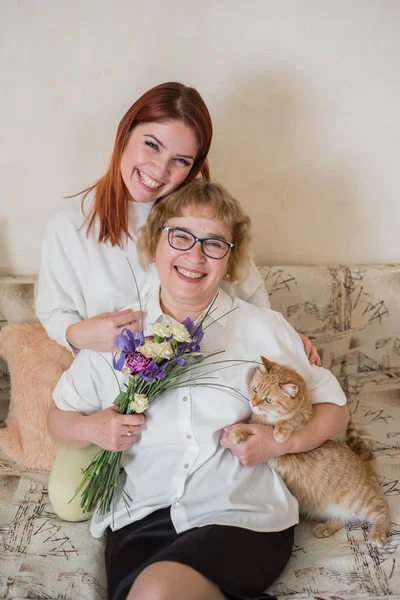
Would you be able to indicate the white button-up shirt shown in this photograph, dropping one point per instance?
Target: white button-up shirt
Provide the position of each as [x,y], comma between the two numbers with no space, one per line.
[178,460]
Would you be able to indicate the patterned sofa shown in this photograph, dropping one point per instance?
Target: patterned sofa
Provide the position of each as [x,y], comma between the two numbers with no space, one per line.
[352,313]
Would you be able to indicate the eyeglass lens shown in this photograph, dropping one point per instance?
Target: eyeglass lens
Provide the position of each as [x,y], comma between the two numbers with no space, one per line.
[183,240]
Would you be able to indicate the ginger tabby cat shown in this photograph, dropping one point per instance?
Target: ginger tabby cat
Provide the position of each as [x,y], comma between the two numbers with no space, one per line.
[333,482]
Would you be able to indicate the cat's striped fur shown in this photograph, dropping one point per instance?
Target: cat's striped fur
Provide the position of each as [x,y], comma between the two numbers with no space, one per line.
[334,482]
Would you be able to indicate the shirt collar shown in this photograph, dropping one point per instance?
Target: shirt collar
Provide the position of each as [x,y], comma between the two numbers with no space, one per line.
[223,303]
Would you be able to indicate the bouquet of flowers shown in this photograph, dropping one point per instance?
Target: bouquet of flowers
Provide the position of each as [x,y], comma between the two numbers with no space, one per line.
[154,364]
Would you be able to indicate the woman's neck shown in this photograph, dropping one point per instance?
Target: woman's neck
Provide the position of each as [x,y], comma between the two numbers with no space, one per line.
[181,310]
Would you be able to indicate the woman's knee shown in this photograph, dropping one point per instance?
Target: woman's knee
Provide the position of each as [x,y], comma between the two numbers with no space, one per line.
[170,580]
[65,478]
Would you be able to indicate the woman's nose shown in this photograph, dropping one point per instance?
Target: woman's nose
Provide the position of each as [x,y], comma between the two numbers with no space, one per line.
[162,166]
[196,254]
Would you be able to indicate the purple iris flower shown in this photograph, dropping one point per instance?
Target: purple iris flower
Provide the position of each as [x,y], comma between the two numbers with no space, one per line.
[152,373]
[126,343]
[195,331]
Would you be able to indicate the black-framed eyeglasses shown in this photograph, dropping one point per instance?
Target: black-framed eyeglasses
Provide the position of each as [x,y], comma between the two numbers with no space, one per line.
[180,239]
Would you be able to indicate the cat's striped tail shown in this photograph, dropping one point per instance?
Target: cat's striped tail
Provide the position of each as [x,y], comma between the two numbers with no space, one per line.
[357,444]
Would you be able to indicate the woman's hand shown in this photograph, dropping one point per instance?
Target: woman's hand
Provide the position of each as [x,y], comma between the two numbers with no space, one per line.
[112,431]
[311,351]
[328,420]
[258,448]
[98,333]
[106,428]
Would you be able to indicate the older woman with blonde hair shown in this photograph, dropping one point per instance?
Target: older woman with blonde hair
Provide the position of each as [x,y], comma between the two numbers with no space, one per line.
[202,525]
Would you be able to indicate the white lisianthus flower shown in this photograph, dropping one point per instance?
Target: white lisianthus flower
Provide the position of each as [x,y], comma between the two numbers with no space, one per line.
[164,350]
[153,350]
[162,329]
[140,403]
[180,332]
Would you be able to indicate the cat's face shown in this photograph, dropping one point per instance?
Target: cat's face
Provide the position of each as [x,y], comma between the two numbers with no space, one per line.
[272,394]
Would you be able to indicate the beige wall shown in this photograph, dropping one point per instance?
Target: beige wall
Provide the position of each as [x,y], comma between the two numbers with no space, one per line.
[304,95]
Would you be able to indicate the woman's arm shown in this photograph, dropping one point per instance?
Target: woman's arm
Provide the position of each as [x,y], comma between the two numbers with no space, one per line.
[106,428]
[78,417]
[327,421]
[56,308]
[61,305]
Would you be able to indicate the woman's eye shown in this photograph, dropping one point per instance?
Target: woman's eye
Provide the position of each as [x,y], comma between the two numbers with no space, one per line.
[214,244]
[255,390]
[184,161]
[151,145]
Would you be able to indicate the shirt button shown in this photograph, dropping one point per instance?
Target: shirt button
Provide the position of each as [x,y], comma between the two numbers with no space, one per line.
[189,437]
[185,398]
[186,466]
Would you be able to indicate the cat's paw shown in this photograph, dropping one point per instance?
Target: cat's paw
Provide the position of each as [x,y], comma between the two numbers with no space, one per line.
[281,435]
[237,436]
[378,538]
[327,529]
[321,530]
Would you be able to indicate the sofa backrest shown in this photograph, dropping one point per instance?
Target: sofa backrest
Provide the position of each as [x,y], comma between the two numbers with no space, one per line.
[352,315]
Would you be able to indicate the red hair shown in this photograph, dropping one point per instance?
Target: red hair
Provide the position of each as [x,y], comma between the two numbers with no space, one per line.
[164,102]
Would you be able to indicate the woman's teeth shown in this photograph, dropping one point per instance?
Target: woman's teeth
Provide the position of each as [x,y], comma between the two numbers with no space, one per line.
[149,181]
[189,273]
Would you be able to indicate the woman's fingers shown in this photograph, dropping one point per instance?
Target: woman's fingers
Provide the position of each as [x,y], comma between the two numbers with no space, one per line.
[125,445]
[124,318]
[131,431]
[311,351]
[127,320]
[307,344]
[314,357]
[113,431]
[132,420]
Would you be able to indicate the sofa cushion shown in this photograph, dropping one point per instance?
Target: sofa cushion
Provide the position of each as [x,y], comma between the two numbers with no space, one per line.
[35,364]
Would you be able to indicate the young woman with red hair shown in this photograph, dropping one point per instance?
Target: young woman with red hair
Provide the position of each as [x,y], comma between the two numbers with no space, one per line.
[85,280]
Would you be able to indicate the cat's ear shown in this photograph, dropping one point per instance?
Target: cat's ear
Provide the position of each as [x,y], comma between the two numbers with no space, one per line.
[268,364]
[290,389]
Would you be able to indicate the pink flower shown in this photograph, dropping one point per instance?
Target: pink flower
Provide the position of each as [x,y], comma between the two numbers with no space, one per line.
[137,363]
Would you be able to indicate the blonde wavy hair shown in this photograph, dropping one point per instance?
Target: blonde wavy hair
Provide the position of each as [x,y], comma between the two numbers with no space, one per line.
[192,200]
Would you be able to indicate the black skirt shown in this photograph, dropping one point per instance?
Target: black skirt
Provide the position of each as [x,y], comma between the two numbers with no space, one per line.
[241,562]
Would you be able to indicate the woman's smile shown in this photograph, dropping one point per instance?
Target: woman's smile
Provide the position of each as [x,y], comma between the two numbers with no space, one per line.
[189,274]
[149,183]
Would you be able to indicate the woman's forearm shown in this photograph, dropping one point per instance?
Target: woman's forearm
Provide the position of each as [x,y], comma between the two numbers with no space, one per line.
[68,428]
[328,420]
[106,428]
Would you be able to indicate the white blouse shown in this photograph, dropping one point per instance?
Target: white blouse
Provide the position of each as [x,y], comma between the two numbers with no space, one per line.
[80,278]
[178,460]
